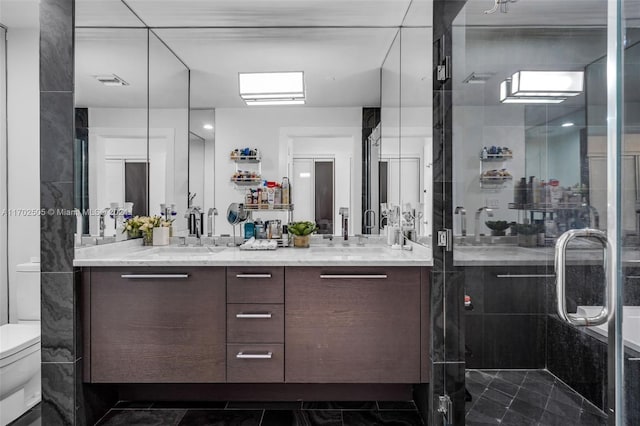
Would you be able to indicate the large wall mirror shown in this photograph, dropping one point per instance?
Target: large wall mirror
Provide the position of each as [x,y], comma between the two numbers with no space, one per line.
[177,125]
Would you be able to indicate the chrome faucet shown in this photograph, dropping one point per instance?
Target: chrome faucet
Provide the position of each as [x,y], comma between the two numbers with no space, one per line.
[211,223]
[370,217]
[344,212]
[463,219]
[594,217]
[477,221]
[194,219]
[102,225]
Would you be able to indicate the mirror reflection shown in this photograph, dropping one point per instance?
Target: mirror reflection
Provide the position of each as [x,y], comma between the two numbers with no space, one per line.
[359,147]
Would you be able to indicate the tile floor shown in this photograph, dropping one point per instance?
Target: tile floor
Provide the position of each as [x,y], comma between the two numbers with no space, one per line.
[523,398]
[505,397]
[366,413]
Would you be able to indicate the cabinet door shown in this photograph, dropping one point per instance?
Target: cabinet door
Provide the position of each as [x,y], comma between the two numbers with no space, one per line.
[352,325]
[166,328]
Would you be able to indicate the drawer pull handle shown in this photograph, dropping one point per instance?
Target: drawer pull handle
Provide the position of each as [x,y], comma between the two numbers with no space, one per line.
[242,355]
[253,276]
[353,277]
[633,277]
[265,315]
[526,275]
[155,276]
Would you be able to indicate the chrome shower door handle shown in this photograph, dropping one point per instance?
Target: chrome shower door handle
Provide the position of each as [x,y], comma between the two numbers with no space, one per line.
[560,263]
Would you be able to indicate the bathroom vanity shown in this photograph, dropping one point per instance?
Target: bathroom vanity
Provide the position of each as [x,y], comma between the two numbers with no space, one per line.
[356,314]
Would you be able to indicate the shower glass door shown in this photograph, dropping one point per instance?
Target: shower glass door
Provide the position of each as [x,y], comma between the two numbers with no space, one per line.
[546,140]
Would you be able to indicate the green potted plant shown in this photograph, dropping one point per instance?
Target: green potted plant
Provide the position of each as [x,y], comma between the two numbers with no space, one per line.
[528,234]
[498,227]
[301,232]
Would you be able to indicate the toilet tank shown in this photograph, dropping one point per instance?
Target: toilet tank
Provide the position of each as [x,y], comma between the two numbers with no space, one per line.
[28,291]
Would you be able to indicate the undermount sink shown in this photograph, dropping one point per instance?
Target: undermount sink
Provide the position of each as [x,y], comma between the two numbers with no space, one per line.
[172,251]
[351,249]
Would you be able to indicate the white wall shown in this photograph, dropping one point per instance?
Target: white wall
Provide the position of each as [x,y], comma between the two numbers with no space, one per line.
[23,122]
[271,130]
[473,129]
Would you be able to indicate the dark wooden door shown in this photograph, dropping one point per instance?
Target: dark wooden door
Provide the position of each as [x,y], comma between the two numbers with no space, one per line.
[341,327]
[160,329]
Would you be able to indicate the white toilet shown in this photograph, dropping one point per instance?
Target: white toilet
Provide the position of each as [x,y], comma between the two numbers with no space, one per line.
[20,348]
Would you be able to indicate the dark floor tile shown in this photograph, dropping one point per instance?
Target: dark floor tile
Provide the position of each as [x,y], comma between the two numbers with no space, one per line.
[543,388]
[142,417]
[33,417]
[515,377]
[504,387]
[542,376]
[532,398]
[266,405]
[496,396]
[339,405]
[468,405]
[396,405]
[475,389]
[590,419]
[221,418]
[526,409]
[191,405]
[475,418]
[381,418]
[302,418]
[569,411]
[133,404]
[471,422]
[554,419]
[564,394]
[514,419]
[587,406]
[479,376]
[487,410]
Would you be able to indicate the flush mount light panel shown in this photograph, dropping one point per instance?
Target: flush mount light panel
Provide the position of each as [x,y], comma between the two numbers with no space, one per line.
[547,83]
[272,88]
[111,80]
[507,98]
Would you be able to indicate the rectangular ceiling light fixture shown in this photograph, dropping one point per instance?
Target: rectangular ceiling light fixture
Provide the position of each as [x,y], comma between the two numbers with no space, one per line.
[506,97]
[272,88]
[111,80]
[547,83]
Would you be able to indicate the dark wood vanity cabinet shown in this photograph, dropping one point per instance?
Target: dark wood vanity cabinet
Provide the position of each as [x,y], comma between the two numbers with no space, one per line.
[352,325]
[156,325]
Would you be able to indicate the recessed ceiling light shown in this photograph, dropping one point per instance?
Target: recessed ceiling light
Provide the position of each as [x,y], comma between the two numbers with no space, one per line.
[272,88]
[208,126]
[111,80]
[568,124]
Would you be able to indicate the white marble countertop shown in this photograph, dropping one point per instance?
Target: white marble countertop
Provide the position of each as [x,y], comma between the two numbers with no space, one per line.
[132,253]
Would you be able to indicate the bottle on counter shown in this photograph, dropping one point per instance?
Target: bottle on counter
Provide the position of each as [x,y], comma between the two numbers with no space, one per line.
[484,154]
[286,191]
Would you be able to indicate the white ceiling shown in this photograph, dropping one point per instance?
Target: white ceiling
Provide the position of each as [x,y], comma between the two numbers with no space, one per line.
[341,65]
[277,13]
[339,44]
[20,13]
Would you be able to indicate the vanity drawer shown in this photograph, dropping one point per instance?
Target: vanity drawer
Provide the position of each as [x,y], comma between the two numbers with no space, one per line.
[255,363]
[255,285]
[255,323]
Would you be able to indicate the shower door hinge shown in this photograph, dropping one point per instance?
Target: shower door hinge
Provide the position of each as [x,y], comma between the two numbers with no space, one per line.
[445,406]
[444,69]
[445,239]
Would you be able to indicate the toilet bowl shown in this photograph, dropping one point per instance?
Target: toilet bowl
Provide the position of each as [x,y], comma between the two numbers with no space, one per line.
[19,370]
[20,383]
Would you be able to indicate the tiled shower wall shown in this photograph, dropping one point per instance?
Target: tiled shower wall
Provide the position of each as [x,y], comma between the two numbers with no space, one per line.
[65,401]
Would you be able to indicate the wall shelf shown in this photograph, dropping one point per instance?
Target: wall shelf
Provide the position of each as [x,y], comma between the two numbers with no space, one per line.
[247,181]
[267,207]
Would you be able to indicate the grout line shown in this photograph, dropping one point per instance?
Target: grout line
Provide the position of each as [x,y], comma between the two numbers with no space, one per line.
[264,412]
[181,417]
